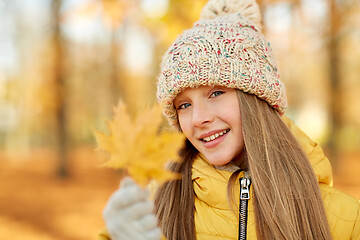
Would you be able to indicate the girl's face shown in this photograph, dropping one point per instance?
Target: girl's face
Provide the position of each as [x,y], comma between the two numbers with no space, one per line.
[210,118]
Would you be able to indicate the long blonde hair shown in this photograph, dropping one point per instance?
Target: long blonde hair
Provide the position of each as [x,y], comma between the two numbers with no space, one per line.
[286,196]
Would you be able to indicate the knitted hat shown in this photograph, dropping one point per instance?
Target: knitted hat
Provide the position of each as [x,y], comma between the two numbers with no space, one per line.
[224,48]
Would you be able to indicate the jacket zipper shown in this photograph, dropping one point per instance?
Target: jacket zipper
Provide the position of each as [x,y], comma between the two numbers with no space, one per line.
[243,206]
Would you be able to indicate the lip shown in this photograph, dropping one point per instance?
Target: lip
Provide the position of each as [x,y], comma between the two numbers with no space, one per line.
[214,142]
[208,134]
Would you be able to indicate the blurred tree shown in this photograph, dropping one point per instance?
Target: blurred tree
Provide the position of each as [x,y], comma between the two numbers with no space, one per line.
[335,91]
[60,91]
[112,14]
[181,15]
[338,9]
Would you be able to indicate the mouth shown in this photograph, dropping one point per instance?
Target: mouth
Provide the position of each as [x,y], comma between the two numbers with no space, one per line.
[214,136]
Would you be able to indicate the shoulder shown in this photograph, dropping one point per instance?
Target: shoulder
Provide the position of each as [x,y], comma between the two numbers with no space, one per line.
[339,203]
[314,152]
[343,213]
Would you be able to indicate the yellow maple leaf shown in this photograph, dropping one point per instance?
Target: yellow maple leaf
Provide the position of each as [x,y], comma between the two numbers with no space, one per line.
[138,146]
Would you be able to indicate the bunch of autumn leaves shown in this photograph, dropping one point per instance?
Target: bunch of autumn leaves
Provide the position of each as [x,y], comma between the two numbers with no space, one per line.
[138,146]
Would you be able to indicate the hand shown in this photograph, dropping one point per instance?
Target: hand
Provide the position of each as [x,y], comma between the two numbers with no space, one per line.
[129,214]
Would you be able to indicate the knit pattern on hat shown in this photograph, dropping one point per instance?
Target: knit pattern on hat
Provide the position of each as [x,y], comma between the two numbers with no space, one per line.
[228,50]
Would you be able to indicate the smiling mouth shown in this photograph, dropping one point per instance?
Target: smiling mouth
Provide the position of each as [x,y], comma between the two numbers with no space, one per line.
[215,136]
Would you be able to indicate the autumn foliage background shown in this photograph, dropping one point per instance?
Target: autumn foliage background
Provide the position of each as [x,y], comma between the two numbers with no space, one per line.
[65,64]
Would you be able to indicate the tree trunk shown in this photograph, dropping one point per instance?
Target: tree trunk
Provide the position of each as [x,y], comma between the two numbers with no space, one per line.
[60,93]
[115,84]
[335,88]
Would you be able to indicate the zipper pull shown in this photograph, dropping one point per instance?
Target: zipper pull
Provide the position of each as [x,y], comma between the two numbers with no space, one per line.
[245,187]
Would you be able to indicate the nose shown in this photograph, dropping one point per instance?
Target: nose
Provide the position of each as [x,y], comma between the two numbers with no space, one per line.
[201,115]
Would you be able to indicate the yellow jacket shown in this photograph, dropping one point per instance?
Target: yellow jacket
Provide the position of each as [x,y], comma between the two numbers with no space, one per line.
[214,220]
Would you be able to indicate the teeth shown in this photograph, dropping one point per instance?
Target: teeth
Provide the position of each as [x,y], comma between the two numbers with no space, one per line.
[216,135]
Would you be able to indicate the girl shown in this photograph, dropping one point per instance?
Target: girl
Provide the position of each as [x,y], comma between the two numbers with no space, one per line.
[247,172]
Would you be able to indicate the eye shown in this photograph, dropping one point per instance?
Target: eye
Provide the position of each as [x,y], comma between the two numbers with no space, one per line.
[216,93]
[184,105]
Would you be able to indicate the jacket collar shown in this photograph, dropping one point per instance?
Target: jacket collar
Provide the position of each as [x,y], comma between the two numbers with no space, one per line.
[210,183]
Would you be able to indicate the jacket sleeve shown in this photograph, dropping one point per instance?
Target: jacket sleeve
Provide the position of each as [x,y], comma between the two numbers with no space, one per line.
[355,235]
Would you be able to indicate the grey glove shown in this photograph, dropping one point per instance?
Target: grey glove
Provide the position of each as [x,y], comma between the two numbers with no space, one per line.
[128,214]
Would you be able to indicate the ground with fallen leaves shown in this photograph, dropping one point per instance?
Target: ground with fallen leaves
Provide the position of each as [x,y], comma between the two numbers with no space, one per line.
[37,205]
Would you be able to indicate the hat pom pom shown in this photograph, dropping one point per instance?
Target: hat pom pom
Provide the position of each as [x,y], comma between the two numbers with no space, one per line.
[217,8]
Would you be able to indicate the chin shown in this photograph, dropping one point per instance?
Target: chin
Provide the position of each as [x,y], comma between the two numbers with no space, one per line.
[217,161]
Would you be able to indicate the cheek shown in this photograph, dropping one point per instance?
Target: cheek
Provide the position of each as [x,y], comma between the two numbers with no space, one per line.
[239,133]
[231,116]
[185,125]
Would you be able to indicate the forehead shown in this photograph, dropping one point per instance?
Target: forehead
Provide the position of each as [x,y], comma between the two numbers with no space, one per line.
[189,90]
